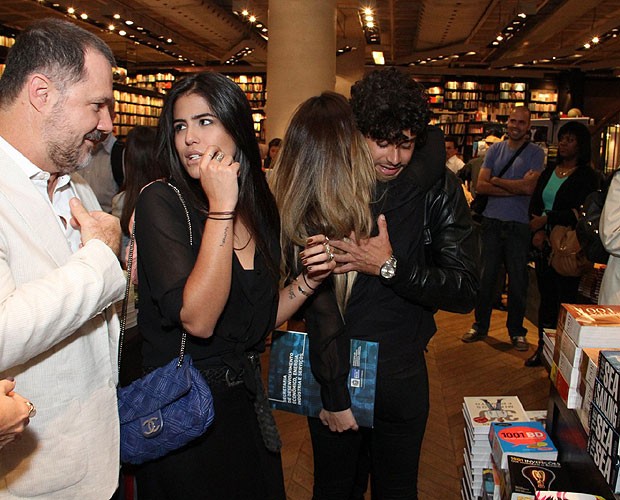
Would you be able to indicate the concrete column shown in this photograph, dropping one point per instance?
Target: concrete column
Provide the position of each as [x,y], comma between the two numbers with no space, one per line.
[301,60]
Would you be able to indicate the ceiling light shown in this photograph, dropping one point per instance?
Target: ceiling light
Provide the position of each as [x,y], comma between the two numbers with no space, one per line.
[368,11]
[595,39]
[128,22]
[111,27]
[252,19]
[369,18]
[499,38]
[245,12]
[586,45]
[522,15]
[71,10]
[116,16]
[84,16]
[122,32]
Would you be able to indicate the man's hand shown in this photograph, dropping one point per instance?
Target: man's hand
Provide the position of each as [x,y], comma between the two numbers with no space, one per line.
[96,225]
[339,421]
[14,412]
[366,257]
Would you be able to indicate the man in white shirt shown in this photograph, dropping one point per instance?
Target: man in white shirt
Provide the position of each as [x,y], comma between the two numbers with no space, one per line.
[59,271]
[453,162]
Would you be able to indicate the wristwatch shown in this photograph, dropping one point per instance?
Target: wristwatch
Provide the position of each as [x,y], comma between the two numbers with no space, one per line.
[388,269]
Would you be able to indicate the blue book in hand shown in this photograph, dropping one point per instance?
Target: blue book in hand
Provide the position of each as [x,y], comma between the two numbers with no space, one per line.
[292,387]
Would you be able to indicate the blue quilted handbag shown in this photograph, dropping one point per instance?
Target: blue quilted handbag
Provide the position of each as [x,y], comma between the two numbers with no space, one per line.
[163,411]
[168,407]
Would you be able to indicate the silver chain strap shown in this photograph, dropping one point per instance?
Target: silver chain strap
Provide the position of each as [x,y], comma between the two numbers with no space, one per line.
[123,319]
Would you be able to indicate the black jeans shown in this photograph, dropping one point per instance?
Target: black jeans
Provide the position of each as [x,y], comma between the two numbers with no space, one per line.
[504,242]
[390,452]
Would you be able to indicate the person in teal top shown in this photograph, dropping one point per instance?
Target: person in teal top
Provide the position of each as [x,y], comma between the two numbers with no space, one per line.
[560,191]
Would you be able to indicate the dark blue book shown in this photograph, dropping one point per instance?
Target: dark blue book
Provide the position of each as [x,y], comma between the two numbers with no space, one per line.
[292,387]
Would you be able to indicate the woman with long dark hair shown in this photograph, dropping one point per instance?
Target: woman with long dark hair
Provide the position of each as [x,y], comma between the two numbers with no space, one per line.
[222,289]
[559,193]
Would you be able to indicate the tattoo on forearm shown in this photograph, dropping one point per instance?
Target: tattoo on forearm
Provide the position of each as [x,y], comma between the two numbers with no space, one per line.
[224,237]
[291,292]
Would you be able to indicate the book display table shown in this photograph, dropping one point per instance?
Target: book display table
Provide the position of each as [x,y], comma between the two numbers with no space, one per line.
[571,440]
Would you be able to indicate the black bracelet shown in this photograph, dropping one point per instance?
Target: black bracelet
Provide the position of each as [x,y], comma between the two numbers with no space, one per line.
[303,275]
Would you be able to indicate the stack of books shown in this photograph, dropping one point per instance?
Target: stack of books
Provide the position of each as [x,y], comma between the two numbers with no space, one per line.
[479,413]
[580,327]
[604,434]
[520,439]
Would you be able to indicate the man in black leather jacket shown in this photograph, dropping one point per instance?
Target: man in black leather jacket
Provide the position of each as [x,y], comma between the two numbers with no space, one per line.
[424,258]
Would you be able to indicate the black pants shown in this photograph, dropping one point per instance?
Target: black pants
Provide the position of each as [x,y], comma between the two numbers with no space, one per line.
[554,290]
[389,452]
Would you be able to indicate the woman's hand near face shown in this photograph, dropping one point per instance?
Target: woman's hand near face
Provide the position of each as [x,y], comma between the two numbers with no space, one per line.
[219,179]
[318,259]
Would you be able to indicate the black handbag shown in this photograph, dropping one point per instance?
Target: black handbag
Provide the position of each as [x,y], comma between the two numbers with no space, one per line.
[479,203]
[167,408]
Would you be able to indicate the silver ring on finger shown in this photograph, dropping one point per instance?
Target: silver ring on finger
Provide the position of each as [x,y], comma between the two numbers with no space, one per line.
[32,410]
[219,156]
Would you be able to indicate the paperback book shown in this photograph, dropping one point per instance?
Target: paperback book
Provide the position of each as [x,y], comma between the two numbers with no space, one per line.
[527,475]
[609,372]
[522,439]
[591,325]
[481,411]
[292,387]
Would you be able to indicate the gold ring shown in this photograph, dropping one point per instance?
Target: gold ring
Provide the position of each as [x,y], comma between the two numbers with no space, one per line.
[32,410]
[219,156]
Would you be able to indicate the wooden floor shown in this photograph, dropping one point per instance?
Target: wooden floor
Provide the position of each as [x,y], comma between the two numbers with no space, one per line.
[487,368]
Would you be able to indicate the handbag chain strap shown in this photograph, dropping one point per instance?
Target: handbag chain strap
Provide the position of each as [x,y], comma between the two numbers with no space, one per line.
[123,318]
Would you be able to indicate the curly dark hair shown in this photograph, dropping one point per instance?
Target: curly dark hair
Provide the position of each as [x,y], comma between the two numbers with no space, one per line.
[386,102]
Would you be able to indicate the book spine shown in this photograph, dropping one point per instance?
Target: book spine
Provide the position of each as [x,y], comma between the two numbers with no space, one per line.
[607,464]
[606,403]
[608,373]
[602,430]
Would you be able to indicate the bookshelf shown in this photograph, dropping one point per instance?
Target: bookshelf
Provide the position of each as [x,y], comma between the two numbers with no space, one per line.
[135,106]
[254,88]
[467,109]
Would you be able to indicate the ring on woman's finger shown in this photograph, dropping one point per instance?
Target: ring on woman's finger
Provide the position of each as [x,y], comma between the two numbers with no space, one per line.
[330,254]
[32,410]
[219,156]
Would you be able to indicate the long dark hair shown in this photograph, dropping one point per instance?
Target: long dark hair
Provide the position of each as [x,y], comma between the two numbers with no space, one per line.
[256,204]
[141,167]
[584,142]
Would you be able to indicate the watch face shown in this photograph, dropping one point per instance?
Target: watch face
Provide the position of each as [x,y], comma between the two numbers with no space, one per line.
[387,270]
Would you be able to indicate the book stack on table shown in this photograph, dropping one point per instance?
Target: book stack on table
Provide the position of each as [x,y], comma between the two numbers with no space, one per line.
[479,412]
[580,327]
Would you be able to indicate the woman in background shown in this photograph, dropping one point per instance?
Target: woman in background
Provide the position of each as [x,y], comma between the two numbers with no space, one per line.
[141,167]
[272,153]
[559,193]
[222,289]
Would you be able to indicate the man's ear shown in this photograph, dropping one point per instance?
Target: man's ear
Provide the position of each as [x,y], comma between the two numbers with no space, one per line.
[39,91]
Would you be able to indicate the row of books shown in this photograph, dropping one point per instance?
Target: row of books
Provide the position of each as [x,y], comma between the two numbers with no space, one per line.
[604,424]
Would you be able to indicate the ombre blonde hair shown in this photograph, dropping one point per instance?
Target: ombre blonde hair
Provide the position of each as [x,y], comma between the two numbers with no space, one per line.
[323,182]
